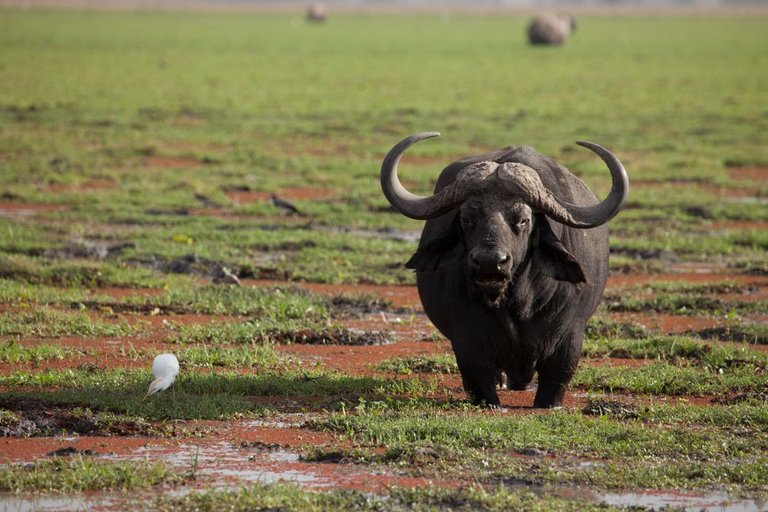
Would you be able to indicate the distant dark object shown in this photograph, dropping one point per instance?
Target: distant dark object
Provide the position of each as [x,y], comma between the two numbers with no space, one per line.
[317,12]
[285,205]
[182,265]
[207,201]
[551,29]
[69,451]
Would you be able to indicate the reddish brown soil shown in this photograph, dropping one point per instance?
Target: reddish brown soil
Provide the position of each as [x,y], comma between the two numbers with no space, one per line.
[757,173]
[34,448]
[248,196]
[307,193]
[25,210]
[362,360]
[673,324]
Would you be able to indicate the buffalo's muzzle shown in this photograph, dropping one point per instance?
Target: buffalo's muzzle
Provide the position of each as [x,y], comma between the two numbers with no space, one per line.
[490,270]
[489,261]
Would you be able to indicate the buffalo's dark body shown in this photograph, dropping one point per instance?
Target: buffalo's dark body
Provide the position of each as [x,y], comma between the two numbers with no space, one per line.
[539,325]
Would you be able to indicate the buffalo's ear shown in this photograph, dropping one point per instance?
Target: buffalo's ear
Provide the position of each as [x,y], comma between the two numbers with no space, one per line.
[551,257]
[439,250]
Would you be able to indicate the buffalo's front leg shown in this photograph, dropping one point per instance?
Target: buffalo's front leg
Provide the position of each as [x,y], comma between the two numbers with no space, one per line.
[478,377]
[556,372]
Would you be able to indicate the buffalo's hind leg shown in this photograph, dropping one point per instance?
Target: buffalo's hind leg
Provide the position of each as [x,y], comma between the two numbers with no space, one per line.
[556,372]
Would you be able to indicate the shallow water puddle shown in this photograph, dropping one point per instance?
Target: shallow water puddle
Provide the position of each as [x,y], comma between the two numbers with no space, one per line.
[251,451]
[57,503]
[657,500]
[221,464]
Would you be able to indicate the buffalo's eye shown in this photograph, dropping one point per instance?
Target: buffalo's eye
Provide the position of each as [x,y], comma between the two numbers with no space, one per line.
[467,224]
[523,222]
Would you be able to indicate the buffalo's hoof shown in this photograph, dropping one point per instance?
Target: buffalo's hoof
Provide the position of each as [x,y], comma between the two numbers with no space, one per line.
[487,403]
[539,406]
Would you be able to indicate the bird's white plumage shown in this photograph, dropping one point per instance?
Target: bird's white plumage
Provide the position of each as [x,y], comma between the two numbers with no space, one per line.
[165,367]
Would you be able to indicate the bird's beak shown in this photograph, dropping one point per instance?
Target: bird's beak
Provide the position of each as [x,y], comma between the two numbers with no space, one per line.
[151,390]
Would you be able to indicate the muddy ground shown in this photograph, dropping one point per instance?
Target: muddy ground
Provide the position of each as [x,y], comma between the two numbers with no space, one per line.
[235,452]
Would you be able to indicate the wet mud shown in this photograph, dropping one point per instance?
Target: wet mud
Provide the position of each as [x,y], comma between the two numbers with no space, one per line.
[377,323]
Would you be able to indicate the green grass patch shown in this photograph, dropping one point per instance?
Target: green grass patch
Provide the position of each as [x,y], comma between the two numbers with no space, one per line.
[677,349]
[682,304]
[271,331]
[251,332]
[442,363]
[751,333]
[196,395]
[292,498]
[561,432]
[689,288]
[271,303]
[24,294]
[660,378]
[744,416]
[602,328]
[77,474]
[654,447]
[75,274]
[255,356]
[13,352]
[47,322]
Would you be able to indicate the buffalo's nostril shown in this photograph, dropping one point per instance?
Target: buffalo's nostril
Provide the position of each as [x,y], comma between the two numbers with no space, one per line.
[503,260]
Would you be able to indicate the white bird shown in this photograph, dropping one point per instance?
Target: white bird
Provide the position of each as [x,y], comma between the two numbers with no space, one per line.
[165,367]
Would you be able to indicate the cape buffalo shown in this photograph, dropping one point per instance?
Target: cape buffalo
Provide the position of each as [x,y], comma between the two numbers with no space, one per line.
[317,12]
[511,264]
[551,29]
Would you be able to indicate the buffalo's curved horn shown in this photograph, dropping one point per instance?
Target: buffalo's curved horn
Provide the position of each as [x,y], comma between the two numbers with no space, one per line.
[407,203]
[602,212]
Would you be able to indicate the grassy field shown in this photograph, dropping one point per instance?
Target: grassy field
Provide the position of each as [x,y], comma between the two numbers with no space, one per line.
[138,152]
